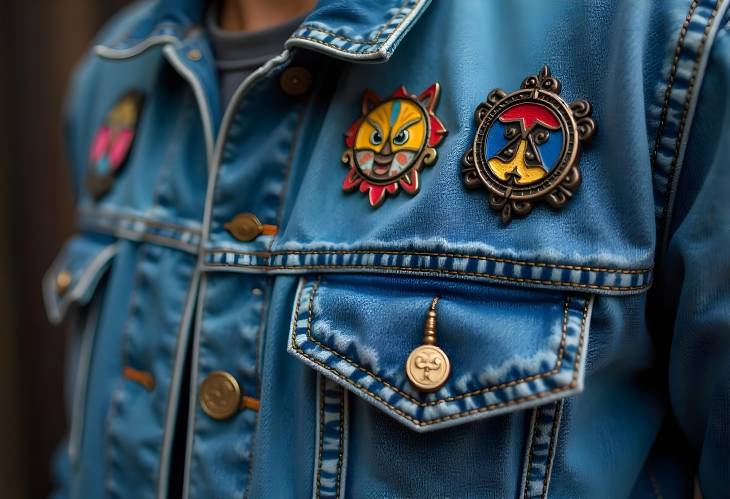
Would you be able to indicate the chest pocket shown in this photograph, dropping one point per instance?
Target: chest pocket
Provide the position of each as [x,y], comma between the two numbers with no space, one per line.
[73,277]
[508,348]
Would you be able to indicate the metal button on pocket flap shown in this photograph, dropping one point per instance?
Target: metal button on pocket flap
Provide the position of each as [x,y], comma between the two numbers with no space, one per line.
[63,281]
[76,272]
[428,366]
[434,352]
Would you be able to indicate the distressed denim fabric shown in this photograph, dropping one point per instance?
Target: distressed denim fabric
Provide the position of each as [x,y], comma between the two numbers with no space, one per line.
[589,346]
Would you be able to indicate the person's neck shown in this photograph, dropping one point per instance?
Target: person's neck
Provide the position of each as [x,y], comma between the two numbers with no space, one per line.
[255,15]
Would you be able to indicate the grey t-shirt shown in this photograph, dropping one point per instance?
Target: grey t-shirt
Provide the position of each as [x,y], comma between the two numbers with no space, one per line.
[238,54]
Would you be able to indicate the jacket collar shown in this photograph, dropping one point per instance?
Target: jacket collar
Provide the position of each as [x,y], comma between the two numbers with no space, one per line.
[354,30]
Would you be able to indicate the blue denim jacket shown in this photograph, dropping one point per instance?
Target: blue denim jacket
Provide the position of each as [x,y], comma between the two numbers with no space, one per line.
[589,347]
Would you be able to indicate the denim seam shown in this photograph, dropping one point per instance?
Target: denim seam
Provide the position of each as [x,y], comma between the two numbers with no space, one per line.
[452,398]
[497,277]
[81,382]
[204,112]
[268,254]
[126,36]
[321,438]
[193,406]
[371,40]
[670,82]
[109,224]
[420,423]
[341,447]
[114,54]
[551,449]
[374,48]
[102,213]
[324,384]
[149,222]
[531,454]
[664,222]
[556,408]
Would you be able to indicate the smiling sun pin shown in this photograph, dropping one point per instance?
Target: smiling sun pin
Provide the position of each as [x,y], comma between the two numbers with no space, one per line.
[389,143]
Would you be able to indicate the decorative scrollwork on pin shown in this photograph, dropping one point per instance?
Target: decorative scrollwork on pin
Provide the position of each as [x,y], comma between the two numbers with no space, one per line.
[582,115]
[429,155]
[509,207]
[531,81]
[495,96]
[481,112]
[469,171]
[572,179]
[543,80]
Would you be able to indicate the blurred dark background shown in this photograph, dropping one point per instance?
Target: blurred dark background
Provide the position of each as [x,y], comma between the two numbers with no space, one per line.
[41,41]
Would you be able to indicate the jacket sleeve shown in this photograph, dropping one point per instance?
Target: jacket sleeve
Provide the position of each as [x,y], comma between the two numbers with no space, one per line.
[79,106]
[694,280]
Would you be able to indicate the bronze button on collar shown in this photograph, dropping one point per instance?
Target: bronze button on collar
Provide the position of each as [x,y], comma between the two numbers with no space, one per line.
[220,395]
[296,81]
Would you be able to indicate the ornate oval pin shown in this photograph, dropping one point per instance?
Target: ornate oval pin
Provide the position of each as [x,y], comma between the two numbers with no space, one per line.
[112,143]
[390,142]
[527,145]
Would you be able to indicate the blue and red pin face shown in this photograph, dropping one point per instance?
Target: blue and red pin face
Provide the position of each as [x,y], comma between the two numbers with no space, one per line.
[112,143]
[390,142]
[524,142]
[527,145]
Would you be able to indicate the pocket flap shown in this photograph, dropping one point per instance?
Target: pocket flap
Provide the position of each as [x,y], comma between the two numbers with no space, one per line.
[509,348]
[75,273]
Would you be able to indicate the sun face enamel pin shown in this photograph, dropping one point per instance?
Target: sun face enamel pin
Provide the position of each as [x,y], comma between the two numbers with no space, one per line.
[112,143]
[527,146]
[390,142]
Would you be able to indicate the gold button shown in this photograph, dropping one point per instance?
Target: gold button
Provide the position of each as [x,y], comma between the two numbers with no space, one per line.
[428,368]
[63,281]
[245,227]
[296,80]
[220,395]
[194,55]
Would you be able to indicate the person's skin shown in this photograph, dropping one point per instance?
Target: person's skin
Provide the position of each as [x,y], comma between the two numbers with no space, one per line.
[255,15]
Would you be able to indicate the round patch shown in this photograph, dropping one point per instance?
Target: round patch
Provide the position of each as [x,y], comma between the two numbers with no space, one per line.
[112,143]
